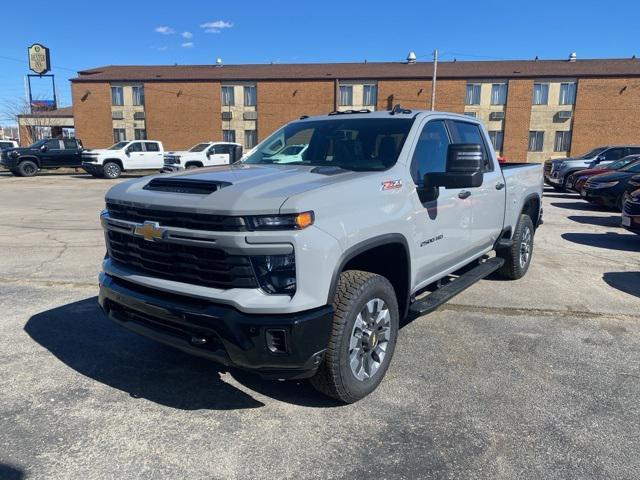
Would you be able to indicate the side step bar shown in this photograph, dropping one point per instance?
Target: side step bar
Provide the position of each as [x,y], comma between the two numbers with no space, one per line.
[450,290]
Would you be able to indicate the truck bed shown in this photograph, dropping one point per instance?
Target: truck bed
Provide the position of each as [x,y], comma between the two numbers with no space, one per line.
[522,180]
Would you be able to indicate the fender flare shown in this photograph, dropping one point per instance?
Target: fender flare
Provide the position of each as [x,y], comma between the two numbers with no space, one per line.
[36,160]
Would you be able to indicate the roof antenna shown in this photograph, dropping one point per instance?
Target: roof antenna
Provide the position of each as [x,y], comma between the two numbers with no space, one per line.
[218,62]
[411,58]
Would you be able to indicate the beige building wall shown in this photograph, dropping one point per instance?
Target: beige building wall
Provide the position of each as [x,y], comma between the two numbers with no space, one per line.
[545,118]
[358,95]
[484,110]
[128,109]
[239,123]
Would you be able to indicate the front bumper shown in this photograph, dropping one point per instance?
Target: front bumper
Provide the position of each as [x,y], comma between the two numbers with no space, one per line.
[92,168]
[600,196]
[9,162]
[220,332]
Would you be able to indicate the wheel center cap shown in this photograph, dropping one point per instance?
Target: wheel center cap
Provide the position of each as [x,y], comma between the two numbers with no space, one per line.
[373,340]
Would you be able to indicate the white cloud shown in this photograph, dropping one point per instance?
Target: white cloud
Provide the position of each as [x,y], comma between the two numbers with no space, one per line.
[164,30]
[187,44]
[216,26]
[187,35]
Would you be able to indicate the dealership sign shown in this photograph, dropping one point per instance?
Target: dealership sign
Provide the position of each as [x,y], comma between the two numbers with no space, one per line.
[39,61]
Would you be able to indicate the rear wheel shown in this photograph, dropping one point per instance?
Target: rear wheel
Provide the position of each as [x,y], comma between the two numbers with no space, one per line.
[363,338]
[517,258]
[111,170]
[27,168]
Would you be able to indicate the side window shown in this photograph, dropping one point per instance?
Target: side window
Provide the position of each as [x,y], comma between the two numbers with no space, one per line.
[70,144]
[613,153]
[53,144]
[151,147]
[135,147]
[634,151]
[431,150]
[464,132]
[221,149]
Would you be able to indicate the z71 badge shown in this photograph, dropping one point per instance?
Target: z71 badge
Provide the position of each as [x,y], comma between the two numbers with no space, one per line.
[391,184]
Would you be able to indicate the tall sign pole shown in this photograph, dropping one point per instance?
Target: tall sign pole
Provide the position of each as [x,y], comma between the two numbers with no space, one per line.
[433,79]
[40,64]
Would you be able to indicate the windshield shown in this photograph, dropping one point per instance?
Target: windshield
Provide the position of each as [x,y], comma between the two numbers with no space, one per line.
[37,144]
[593,153]
[118,146]
[632,167]
[618,164]
[293,150]
[199,147]
[364,144]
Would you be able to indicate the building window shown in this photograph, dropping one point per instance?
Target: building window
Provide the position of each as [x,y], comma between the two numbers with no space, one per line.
[228,99]
[250,138]
[496,137]
[117,96]
[140,134]
[498,94]
[567,93]
[471,114]
[346,95]
[472,94]
[369,95]
[138,95]
[249,96]
[540,94]
[119,135]
[229,136]
[563,142]
[536,141]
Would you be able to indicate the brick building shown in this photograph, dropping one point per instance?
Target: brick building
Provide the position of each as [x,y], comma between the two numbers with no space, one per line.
[533,109]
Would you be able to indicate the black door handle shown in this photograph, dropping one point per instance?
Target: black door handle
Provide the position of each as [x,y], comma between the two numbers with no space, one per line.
[464,194]
[499,186]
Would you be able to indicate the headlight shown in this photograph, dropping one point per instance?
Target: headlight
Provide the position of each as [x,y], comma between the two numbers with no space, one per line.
[294,221]
[560,165]
[604,184]
[276,273]
[14,153]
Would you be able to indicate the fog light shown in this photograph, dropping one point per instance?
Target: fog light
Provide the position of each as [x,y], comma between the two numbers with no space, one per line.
[276,273]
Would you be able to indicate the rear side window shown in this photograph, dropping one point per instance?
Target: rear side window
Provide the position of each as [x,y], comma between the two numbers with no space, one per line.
[53,144]
[431,150]
[464,132]
[151,147]
[69,144]
[614,153]
[633,151]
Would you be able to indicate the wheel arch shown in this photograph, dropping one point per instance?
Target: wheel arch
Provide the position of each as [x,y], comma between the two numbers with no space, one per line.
[113,160]
[31,158]
[532,206]
[196,163]
[366,255]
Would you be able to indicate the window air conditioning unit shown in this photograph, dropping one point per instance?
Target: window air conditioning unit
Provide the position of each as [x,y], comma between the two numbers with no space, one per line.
[564,115]
[470,114]
[138,115]
[250,115]
[117,115]
[227,115]
[496,116]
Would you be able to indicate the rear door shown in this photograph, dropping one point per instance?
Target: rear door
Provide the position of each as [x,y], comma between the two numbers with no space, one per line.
[72,157]
[488,200]
[153,155]
[443,225]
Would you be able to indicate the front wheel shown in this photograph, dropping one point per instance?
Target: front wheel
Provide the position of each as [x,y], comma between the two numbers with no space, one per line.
[363,337]
[517,258]
[27,168]
[111,170]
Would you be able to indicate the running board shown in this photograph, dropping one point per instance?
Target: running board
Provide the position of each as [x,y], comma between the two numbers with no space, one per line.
[450,290]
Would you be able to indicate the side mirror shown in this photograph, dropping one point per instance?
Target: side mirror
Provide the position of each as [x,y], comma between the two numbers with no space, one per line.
[464,168]
[209,152]
[43,148]
[127,150]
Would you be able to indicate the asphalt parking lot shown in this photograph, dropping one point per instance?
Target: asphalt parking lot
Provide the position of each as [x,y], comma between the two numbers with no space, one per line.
[538,378]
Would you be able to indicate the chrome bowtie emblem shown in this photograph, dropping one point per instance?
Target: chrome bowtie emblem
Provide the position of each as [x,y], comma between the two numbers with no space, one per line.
[149,231]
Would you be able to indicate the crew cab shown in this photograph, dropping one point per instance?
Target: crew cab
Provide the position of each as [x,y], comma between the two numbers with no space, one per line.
[306,269]
[126,156]
[205,154]
[557,171]
[50,153]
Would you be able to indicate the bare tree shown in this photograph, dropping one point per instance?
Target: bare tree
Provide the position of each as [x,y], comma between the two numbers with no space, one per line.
[31,126]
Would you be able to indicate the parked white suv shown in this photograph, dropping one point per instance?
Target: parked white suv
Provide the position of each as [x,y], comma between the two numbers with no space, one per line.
[123,157]
[205,154]
[7,144]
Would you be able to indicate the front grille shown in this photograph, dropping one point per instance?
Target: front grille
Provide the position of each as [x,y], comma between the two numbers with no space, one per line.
[632,208]
[210,267]
[547,167]
[192,221]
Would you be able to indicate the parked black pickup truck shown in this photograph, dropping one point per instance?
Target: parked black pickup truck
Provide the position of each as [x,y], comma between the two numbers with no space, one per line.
[44,154]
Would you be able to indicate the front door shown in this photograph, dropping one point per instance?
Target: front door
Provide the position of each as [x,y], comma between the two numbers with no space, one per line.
[136,157]
[220,155]
[52,154]
[488,200]
[442,226]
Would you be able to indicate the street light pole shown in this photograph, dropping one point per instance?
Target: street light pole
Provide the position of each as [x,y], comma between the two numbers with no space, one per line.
[433,79]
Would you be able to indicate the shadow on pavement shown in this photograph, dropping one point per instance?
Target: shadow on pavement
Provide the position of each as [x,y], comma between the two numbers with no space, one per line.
[80,336]
[627,282]
[8,472]
[609,240]
[569,196]
[610,221]
[583,205]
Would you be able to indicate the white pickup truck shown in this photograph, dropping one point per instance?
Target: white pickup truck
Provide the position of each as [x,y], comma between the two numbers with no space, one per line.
[305,269]
[205,154]
[124,156]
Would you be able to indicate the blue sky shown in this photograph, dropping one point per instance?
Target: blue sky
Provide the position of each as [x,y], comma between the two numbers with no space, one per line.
[80,35]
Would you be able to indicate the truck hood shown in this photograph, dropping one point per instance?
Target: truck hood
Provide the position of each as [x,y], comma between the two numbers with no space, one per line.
[613,176]
[246,189]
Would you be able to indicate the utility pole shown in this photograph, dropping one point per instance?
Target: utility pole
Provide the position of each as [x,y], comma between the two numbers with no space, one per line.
[433,79]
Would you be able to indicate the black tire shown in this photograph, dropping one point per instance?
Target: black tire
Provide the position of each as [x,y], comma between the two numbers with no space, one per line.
[111,170]
[27,168]
[15,172]
[514,266]
[191,166]
[335,376]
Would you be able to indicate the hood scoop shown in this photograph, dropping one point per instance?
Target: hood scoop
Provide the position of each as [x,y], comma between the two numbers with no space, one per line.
[185,185]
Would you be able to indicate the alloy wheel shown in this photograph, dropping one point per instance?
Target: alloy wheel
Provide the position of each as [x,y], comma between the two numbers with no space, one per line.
[525,247]
[369,339]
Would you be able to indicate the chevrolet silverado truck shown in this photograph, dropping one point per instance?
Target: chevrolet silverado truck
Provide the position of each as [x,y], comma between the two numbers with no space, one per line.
[306,269]
[125,156]
[46,154]
[204,154]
